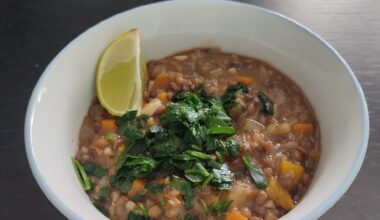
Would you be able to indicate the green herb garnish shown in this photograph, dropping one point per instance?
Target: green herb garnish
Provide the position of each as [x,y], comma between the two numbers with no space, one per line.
[191,217]
[81,174]
[255,171]
[223,177]
[229,97]
[132,215]
[266,102]
[192,128]
[100,206]
[220,208]
[94,170]
[185,188]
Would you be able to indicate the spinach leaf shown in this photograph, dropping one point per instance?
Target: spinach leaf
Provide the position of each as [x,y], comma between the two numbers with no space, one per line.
[100,206]
[218,110]
[138,198]
[182,161]
[132,132]
[129,126]
[266,102]
[138,166]
[198,155]
[223,177]
[94,170]
[191,217]
[139,213]
[122,182]
[255,171]
[229,147]
[130,167]
[154,188]
[218,126]
[158,133]
[140,146]
[185,188]
[221,207]
[172,145]
[81,174]
[127,117]
[196,174]
[132,215]
[103,192]
[214,164]
[229,97]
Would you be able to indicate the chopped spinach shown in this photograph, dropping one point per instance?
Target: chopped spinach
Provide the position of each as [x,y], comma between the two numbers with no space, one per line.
[82,175]
[198,155]
[255,171]
[94,170]
[154,188]
[137,166]
[132,215]
[103,192]
[193,127]
[223,177]
[197,173]
[138,197]
[266,102]
[218,126]
[220,208]
[100,206]
[139,213]
[185,188]
[229,147]
[122,182]
[229,97]
[191,217]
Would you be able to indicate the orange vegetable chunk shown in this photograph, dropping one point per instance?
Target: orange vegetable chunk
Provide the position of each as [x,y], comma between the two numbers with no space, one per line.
[293,169]
[279,195]
[235,215]
[303,128]
[109,125]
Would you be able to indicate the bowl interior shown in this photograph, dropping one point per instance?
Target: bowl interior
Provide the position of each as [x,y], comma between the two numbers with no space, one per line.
[64,92]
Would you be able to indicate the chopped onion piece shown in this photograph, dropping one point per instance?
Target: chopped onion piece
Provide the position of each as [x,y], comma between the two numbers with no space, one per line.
[252,125]
[151,107]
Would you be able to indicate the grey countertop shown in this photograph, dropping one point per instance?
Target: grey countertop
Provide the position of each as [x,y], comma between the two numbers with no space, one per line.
[33,32]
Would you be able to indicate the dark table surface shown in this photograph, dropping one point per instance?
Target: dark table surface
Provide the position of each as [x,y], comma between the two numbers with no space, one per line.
[33,32]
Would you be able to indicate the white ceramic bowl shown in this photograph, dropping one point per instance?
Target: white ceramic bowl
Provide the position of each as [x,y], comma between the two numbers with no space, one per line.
[64,92]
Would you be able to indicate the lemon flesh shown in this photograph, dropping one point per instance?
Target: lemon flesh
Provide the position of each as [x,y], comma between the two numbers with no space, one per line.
[121,75]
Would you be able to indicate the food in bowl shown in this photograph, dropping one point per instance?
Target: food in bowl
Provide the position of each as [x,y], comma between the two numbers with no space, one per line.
[219,136]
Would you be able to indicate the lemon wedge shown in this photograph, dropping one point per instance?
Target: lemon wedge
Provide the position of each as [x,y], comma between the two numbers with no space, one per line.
[121,74]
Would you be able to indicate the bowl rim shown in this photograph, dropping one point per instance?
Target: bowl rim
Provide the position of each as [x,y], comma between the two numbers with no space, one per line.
[314,214]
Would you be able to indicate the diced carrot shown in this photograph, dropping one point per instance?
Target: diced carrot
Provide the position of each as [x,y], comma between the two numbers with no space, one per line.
[303,128]
[109,125]
[162,81]
[163,96]
[244,79]
[279,194]
[235,215]
[138,187]
[293,169]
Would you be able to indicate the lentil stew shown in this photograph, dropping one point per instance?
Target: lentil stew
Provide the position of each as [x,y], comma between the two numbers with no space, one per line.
[220,136]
